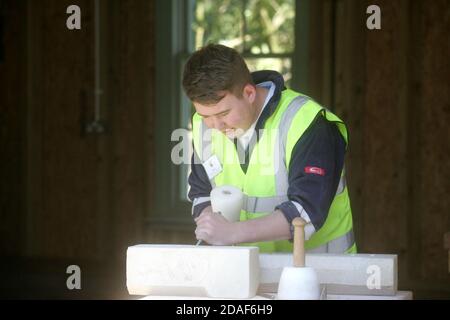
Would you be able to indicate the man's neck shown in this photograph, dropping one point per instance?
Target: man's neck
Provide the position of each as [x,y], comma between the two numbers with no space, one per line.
[261,94]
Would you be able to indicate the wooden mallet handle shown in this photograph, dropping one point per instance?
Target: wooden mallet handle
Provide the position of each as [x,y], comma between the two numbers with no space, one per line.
[299,242]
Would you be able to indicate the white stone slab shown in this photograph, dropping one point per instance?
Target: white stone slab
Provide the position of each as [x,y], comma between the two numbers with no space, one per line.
[348,274]
[202,271]
[400,295]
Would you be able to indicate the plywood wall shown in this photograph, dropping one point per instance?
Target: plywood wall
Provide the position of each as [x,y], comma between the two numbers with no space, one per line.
[13,91]
[67,193]
[391,86]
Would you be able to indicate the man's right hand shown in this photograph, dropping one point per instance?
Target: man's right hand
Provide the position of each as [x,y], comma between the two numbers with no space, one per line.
[214,229]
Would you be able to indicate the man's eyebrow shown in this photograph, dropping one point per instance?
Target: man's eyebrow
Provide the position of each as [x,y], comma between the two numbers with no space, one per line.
[201,115]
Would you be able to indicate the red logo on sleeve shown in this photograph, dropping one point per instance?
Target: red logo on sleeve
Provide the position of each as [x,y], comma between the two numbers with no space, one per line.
[315,170]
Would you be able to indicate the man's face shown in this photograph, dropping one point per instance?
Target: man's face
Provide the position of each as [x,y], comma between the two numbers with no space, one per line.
[232,115]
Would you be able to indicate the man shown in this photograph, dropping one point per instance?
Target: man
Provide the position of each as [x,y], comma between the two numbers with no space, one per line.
[283,150]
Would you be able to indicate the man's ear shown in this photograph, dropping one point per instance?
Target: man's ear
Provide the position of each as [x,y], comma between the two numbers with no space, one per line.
[249,92]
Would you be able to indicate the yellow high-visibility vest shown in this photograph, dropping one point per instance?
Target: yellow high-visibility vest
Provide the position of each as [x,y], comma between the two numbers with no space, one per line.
[265,183]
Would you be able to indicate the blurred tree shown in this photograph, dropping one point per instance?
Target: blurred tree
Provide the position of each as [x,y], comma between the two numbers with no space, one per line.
[261,30]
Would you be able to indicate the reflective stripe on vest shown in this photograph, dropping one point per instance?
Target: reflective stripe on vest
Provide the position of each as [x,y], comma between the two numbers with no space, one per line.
[262,204]
[268,204]
[338,245]
[206,145]
[342,184]
[281,176]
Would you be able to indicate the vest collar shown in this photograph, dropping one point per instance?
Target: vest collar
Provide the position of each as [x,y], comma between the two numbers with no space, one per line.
[277,79]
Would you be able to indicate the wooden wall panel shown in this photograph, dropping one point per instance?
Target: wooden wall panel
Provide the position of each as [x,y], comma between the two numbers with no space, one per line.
[391,86]
[81,195]
[88,191]
[349,103]
[170,235]
[320,56]
[433,174]
[66,224]
[385,136]
[132,67]
[13,75]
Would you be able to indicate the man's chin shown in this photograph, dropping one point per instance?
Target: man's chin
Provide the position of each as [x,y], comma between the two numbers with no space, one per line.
[233,133]
[229,133]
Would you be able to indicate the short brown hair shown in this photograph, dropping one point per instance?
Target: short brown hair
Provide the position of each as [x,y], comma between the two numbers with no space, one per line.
[213,69]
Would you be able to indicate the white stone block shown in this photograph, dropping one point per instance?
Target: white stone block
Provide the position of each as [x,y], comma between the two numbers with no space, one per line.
[350,274]
[183,270]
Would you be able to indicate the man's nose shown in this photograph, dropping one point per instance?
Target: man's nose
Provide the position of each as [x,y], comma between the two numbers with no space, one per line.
[217,123]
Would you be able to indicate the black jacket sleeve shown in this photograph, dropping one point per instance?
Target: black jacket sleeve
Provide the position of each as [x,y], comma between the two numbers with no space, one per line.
[200,186]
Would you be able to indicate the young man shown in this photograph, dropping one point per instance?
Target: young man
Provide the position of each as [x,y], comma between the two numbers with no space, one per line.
[283,150]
